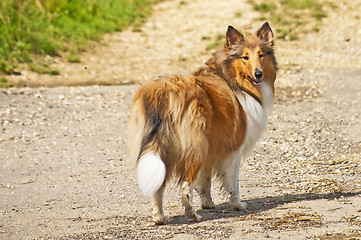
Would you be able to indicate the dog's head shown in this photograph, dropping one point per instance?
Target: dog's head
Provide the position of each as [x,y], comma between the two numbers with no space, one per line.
[250,60]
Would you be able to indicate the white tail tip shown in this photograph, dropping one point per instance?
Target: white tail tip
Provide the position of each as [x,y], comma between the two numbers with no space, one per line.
[151,172]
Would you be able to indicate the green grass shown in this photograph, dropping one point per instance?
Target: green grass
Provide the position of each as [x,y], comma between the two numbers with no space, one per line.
[220,38]
[43,69]
[303,4]
[291,17]
[73,57]
[60,27]
[288,18]
[265,7]
[4,83]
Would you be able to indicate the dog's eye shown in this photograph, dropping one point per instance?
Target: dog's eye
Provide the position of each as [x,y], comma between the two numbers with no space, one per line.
[245,57]
[260,55]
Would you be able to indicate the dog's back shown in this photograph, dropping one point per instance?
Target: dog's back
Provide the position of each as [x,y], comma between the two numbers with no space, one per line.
[189,121]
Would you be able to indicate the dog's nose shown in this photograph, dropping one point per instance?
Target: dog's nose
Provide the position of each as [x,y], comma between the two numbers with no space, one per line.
[258,74]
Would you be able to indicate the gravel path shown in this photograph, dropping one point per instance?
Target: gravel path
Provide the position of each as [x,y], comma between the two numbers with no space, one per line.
[65,173]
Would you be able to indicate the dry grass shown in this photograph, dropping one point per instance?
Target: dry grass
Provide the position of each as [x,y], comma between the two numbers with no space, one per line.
[291,17]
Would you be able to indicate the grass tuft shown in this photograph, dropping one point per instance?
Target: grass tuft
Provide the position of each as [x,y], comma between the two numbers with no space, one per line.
[73,58]
[43,69]
[5,83]
[265,7]
[219,39]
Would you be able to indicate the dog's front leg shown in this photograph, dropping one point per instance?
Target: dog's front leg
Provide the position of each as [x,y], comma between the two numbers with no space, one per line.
[187,200]
[230,179]
[234,198]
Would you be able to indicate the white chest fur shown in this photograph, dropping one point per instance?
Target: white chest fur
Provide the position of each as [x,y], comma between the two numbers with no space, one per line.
[257,116]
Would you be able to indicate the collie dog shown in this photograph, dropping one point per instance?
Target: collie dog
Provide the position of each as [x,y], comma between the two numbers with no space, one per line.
[197,126]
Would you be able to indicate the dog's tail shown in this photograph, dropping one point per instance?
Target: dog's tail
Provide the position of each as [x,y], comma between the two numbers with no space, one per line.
[150,137]
[151,172]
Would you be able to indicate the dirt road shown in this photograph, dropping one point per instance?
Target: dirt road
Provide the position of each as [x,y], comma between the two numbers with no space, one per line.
[64,168]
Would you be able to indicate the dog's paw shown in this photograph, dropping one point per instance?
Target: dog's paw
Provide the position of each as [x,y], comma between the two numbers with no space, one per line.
[208,205]
[238,205]
[194,217]
[160,220]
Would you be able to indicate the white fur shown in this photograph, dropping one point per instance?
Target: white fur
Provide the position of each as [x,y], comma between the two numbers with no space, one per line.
[231,171]
[257,115]
[268,98]
[151,172]
[256,123]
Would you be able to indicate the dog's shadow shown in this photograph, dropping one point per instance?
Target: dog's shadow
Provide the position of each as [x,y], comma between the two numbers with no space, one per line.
[258,205]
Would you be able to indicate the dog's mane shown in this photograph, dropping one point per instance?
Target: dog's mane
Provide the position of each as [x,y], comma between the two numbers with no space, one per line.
[216,65]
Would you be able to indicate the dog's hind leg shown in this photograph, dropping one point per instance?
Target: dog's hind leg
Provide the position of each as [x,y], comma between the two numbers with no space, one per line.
[158,217]
[203,187]
[230,178]
[187,200]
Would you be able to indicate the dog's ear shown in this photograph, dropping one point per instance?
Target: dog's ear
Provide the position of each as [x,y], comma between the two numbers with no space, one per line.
[233,37]
[265,33]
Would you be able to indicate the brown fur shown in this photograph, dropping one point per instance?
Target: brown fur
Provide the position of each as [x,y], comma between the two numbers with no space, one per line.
[195,122]
[201,121]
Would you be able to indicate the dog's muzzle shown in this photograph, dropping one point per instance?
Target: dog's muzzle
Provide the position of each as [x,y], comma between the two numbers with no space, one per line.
[258,77]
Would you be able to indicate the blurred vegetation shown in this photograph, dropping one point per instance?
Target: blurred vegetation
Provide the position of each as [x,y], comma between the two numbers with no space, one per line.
[288,18]
[4,83]
[31,28]
[291,17]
